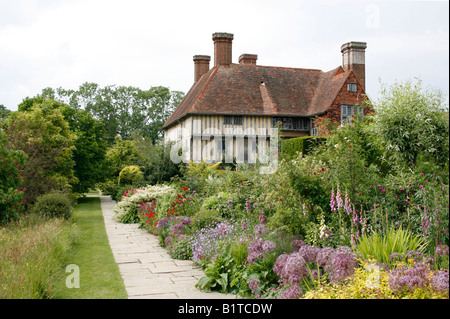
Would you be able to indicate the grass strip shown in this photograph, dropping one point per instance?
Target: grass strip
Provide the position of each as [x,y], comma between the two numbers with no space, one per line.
[32,252]
[99,276]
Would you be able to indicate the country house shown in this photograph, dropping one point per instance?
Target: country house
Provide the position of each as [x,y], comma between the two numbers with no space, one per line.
[232,107]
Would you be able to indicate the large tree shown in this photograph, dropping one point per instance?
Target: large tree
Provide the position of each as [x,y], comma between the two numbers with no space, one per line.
[10,178]
[412,124]
[123,109]
[90,143]
[4,112]
[44,135]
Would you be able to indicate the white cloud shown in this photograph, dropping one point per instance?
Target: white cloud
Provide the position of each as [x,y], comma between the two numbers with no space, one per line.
[150,43]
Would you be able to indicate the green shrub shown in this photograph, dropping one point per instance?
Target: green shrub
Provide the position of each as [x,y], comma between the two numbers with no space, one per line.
[118,192]
[180,248]
[55,204]
[107,187]
[290,147]
[382,246]
[130,175]
[205,217]
[10,194]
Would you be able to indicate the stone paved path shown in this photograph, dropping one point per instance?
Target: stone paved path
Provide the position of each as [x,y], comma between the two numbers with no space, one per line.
[146,268]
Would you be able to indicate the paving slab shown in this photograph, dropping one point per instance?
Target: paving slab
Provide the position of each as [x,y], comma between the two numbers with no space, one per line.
[147,269]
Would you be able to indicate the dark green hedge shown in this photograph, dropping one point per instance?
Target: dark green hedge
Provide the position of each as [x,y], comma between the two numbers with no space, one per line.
[290,147]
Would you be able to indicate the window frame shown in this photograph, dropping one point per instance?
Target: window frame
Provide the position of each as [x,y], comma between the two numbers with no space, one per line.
[352,87]
[351,112]
[298,124]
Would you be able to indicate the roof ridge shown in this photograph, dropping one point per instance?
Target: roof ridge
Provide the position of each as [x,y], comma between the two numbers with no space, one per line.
[286,68]
[318,89]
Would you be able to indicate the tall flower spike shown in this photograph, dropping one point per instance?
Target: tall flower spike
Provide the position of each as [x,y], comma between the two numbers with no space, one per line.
[347,206]
[338,198]
[333,201]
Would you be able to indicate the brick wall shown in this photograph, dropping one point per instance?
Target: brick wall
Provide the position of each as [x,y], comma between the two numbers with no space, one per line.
[347,98]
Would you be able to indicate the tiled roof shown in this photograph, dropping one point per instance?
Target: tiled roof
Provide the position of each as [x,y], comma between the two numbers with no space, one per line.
[244,89]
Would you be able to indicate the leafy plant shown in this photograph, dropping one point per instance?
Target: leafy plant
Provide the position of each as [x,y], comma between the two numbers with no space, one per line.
[381,246]
[180,248]
[130,175]
[220,273]
[54,204]
[10,194]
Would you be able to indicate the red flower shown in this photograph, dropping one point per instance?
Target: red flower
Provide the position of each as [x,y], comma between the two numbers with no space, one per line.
[185,188]
[281,199]
[173,204]
[323,169]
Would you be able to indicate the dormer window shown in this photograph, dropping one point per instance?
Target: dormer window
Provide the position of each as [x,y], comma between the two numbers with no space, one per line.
[351,87]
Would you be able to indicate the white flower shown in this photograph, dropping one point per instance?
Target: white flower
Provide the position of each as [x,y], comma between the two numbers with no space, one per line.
[142,194]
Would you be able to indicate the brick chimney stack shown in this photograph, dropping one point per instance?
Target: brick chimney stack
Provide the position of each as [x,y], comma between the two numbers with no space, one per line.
[353,58]
[248,59]
[201,66]
[222,48]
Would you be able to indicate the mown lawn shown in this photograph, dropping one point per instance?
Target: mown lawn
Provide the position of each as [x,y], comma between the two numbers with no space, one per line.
[99,276]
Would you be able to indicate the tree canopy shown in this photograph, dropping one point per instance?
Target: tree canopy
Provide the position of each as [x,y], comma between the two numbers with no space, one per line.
[123,109]
[45,137]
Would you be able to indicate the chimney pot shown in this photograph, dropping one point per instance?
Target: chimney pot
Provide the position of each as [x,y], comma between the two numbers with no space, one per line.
[248,58]
[222,48]
[353,58]
[201,66]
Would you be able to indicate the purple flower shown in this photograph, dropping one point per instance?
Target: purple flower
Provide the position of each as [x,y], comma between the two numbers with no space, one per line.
[296,244]
[253,284]
[441,250]
[345,250]
[279,264]
[230,202]
[315,273]
[395,257]
[292,292]
[347,205]
[186,221]
[324,256]
[309,253]
[268,246]
[255,251]
[409,279]
[210,240]
[163,222]
[439,281]
[342,265]
[260,230]
[294,269]
[333,201]
[178,228]
[339,199]
[167,241]
[262,219]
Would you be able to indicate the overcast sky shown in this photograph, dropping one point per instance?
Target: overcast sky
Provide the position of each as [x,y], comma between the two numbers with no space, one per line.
[65,43]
